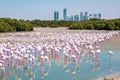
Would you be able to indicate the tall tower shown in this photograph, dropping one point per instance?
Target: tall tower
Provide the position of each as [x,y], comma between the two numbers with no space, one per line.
[81,16]
[76,18]
[56,16]
[86,16]
[99,16]
[72,19]
[90,16]
[65,14]
[95,16]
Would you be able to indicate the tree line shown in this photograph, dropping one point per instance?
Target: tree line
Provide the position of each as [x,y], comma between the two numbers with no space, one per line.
[15,25]
[92,24]
[51,23]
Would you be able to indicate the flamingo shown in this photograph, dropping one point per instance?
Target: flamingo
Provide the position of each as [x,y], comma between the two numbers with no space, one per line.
[110,54]
[24,50]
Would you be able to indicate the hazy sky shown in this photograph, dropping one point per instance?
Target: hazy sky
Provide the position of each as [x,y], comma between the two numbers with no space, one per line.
[43,9]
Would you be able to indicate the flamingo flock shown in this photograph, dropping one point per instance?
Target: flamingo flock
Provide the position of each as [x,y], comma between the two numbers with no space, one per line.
[28,49]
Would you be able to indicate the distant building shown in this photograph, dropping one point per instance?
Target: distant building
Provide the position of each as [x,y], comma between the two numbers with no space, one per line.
[76,18]
[90,16]
[56,16]
[81,16]
[99,16]
[86,16]
[67,18]
[65,14]
[95,16]
[71,18]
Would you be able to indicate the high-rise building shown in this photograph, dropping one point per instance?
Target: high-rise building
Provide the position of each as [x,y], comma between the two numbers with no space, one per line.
[56,16]
[67,18]
[86,16]
[71,19]
[65,14]
[90,16]
[81,16]
[95,16]
[99,16]
[76,18]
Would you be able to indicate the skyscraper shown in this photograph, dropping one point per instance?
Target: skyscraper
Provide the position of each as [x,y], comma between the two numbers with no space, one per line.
[99,16]
[65,14]
[72,19]
[81,16]
[86,16]
[90,16]
[95,16]
[76,18]
[67,18]
[56,16]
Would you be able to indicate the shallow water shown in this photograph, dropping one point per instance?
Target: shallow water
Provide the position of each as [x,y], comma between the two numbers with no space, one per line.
[58,72]
[87,71]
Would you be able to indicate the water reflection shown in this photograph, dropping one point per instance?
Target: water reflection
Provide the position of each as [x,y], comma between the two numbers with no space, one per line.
[20,58]
[70,63]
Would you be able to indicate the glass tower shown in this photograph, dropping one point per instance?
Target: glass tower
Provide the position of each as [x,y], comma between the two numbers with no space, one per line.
[56,16]
[65,14]
[95,16]
[90,16]
[76,18]
[99,16]
[81,16]
[86,16]
[72,19]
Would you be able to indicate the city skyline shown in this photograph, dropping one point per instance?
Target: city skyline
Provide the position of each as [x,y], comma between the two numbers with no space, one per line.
[43,9]
[76,17]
